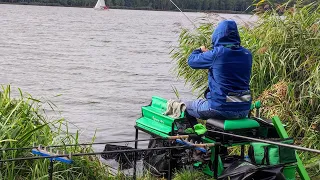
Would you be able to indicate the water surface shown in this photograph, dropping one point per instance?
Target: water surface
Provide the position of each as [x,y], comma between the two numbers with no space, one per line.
[104,65]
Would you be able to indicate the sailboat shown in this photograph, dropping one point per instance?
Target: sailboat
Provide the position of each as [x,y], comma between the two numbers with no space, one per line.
[101,5]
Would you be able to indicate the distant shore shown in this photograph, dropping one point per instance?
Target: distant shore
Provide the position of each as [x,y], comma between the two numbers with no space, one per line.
[125,7]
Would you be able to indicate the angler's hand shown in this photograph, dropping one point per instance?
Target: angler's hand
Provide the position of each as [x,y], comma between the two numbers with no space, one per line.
[203,49]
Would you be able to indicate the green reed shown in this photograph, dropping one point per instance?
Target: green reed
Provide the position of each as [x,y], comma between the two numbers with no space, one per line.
[24,122]
[285,72]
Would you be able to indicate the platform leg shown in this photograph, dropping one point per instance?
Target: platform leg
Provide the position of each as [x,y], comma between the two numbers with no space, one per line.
[50,169]
[135,156]
[216,161]
[283,134]
[169,166]
[242,151]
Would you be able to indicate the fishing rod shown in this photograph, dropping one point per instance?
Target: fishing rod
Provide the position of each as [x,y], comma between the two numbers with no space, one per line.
[195,26]
[88,144]
[176,137]
[184,14]
[268,142]
[95,153]
[81,144]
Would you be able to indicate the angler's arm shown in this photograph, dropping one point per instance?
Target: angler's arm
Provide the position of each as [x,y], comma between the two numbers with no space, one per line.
[201,60]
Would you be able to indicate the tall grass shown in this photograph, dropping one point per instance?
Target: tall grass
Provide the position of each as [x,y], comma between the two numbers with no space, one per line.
[285,72]
[22,123]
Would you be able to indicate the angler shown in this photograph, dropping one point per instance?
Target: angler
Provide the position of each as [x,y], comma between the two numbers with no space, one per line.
[229,64]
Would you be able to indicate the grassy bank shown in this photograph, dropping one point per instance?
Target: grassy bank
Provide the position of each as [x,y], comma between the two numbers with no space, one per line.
[23,122]
[285,72]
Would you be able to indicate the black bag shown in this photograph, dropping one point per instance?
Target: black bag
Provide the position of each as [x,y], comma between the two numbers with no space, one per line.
[237,170]
[124,159]
[157,162]
[266,173]
[243,170]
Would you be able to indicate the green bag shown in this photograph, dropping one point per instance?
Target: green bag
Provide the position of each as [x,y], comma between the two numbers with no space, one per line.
[199,129]
[268,154]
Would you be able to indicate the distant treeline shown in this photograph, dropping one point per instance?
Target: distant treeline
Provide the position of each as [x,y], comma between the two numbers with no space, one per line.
[197,5]
[189,5]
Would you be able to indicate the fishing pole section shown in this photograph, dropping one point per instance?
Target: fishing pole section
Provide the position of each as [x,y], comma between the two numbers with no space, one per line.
[48,152]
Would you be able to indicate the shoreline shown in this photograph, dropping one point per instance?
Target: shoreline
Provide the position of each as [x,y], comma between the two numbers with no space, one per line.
[129,8]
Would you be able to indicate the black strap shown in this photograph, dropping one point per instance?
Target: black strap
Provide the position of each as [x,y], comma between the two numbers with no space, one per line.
[205,92]
[251,154]
[266,156]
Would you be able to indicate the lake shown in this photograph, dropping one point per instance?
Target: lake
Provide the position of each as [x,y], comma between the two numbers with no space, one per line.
[98,67]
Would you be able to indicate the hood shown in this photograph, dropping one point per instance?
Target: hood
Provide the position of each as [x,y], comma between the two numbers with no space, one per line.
[226,33]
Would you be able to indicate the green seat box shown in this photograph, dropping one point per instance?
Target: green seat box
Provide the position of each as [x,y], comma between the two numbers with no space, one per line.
[153,119]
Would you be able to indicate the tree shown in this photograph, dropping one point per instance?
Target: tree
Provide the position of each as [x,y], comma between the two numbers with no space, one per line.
[205,5]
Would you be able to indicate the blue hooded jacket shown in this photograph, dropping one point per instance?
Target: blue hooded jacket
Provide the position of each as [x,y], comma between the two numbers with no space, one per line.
[229,67]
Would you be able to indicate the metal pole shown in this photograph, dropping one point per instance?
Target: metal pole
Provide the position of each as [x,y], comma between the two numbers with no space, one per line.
[135,156]
[242,151]
[96,153]
[267,141]
[50,169]
[258,112]
[82,144]
[169,166]
[216,160]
